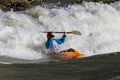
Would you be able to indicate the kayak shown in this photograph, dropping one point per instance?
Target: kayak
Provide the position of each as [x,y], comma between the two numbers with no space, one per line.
[68,54]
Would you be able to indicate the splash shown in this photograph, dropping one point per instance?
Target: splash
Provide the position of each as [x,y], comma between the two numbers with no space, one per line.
[20,35]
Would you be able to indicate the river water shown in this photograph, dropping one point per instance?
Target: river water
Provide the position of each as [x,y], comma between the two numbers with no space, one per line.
[23,53]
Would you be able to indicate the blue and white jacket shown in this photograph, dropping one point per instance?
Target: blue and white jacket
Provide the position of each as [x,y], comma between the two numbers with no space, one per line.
[53,44]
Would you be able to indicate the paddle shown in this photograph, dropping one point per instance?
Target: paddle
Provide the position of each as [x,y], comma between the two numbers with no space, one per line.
[75,32]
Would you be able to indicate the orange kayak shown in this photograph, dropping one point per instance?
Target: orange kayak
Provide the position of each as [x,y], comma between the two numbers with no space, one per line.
[68,54]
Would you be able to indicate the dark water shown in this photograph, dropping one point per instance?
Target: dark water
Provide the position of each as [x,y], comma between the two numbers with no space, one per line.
[102,67]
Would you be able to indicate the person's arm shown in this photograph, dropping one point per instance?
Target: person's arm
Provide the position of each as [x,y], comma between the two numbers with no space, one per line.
[62,40]
[48,44]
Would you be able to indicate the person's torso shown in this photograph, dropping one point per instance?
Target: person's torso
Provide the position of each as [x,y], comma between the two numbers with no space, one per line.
[55,47]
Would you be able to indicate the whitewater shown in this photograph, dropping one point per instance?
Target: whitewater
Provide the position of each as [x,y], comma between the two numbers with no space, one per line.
[99,23]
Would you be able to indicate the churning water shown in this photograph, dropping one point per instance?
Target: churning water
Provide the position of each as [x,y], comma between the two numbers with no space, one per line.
[21,41]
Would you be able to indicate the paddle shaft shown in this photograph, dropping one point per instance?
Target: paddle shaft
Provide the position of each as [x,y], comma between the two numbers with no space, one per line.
[59,32]
[72,32]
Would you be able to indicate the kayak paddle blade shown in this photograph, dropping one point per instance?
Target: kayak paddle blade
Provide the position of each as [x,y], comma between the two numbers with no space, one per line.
[76,32]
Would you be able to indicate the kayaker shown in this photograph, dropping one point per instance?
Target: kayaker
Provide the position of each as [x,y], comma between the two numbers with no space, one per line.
[52,44]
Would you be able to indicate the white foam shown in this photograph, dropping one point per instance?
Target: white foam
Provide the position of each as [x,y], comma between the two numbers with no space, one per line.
[20,35]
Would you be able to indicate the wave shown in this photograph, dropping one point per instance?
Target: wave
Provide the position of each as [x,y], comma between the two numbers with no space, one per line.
[21,37]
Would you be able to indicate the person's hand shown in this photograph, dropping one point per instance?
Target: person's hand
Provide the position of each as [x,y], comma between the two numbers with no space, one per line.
[65,33]
[52,34]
